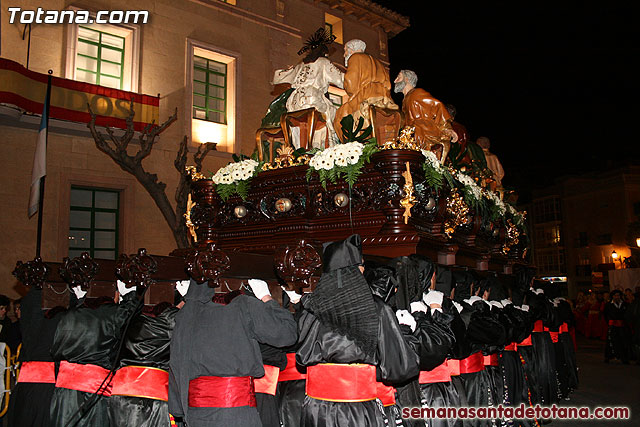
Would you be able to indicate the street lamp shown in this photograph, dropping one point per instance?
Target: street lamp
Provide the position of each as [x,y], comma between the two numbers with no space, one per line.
[617,257]
[638,242]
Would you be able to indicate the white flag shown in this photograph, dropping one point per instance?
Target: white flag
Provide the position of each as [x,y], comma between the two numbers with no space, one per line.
[39,161]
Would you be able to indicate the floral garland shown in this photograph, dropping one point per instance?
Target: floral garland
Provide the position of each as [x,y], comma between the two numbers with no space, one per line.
[341,161]
[496,206]
[434,173]
[234,178]
[471,191]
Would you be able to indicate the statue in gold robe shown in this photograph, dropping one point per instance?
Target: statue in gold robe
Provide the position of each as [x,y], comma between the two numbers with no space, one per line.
[366,83]
[429,116]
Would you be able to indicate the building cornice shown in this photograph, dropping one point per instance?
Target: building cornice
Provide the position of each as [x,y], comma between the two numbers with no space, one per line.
[250,16]
[365,10]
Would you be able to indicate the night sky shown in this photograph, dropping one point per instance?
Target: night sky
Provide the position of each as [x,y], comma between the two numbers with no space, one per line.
[553,85]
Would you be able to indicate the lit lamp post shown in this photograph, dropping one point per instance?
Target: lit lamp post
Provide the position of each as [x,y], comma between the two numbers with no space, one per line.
[617,257]
[638,242]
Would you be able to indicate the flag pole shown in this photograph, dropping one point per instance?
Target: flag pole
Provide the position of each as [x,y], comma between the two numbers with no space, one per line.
[41,201]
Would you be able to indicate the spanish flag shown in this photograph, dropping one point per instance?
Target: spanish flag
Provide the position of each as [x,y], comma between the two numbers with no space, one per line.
[26,89]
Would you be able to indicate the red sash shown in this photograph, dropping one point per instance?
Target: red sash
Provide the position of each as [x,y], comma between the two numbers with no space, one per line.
[554,336]
[269,382]
[141,381]
[537,327]
[221,392]
[454,366]
[439,374]
[564,328]
[37,372]
[510,347]
[471,364]
[341,383]
[87,378]
[291,373]
[525,342]
[617,323]
[490,360]
[386,394]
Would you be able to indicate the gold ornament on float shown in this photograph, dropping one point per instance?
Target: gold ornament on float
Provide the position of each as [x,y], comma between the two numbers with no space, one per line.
[409,199]
[193,172]
[187,217]
[457,213]
[286,159]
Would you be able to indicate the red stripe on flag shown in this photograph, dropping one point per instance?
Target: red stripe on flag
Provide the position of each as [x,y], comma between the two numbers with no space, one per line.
[81,86]
[65,114]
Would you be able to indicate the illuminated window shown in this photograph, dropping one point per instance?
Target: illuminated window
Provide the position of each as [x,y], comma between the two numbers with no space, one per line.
[93,222]
[106,55]
[333,25]
[209,90]
[100,58]
[212,107]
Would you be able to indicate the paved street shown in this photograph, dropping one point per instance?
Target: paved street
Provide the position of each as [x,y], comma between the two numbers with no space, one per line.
[601,384]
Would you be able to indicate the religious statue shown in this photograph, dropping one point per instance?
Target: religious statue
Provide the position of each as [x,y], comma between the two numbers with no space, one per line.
[366,83]
[493,163]
[310,81]
[429,116]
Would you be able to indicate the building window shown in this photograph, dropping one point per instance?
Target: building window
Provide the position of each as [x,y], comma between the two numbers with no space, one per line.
[106,55]
[100,58]
[212,106]
[333,25]
[209,90]
[94,222]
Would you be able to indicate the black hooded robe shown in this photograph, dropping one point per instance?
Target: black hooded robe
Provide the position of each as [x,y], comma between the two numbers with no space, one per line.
[88,336]
[211,339]
[30,402]
[146,344]
[395,362]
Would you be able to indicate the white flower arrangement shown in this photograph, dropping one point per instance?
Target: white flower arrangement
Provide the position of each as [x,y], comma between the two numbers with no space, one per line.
[234,178]
[470,185]
[435,174]
[341,160]
[338,155]
[497,202]
[234,172]
[432,159]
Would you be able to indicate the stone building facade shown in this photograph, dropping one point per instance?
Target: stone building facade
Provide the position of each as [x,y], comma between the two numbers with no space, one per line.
[212,60]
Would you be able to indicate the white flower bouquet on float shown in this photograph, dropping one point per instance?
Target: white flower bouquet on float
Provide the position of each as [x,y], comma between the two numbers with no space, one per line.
[496,206]
[234,178]
[340,161]
[471,191]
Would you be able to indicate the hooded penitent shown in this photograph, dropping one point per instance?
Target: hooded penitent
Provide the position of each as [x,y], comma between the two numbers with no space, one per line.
[382,281]
[342,299]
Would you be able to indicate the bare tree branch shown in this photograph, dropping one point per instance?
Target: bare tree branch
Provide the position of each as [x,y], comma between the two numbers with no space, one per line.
[116,148]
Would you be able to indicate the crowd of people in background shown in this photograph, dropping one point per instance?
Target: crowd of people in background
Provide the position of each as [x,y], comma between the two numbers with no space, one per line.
[613,317]
[10,322]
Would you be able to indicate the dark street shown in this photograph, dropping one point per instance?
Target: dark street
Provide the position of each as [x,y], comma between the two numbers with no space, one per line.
[601,384]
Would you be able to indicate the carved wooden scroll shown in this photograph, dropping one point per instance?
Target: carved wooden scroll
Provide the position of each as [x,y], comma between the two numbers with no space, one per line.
[79,271]
[31,273]
[295,265]
[207,264]
[136,270]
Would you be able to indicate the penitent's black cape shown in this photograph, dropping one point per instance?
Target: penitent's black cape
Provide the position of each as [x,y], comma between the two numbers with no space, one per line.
[211,339]
[88,336]
[396,363]
[146,344]
[30,402]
